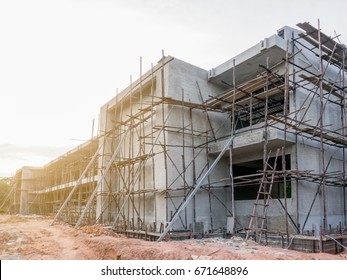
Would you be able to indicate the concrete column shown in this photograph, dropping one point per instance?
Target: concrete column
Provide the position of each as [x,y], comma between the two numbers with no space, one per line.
[24,204]
[104,157]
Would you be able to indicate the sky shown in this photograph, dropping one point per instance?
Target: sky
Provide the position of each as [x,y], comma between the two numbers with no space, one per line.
[61,60]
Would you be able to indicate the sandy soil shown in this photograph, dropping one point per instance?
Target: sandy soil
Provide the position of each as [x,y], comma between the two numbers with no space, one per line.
[32,238]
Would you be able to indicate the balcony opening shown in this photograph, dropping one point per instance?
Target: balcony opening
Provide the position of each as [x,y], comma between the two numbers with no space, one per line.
[248,175]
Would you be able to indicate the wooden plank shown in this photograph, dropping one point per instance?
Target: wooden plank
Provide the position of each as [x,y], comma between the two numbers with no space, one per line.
[311,131]
[327,87]
[334,49]
[244,91]
[326,40]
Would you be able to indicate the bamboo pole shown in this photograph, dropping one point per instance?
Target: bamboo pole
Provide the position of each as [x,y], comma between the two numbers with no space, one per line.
[183,160]
[285,113]
[140,167]
[108,166]
[343,123]
[193,163]
[196,189]
[321,126]
[162,78]
[78,182]
[152,148]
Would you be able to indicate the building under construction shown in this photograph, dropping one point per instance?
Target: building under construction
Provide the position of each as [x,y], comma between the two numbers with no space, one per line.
[255,146]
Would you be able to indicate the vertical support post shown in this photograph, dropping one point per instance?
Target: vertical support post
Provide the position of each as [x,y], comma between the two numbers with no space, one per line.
[233,127]
[208,179]
[194,167]
[296,136]
[285,114]
[102,165]
[320,239]
[208,125]
[343,123]
[162,78]
[232,188]
[152,149]
[131,154]
[265,151]
[142,141]
[183,161]
[321,126]
[123,170]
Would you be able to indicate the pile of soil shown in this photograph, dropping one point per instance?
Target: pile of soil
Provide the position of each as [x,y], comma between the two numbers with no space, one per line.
[33,238]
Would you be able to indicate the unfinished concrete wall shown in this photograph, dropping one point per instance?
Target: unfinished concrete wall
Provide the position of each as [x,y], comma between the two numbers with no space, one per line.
[161,134]
[131,194]
[188,149]
[311,155]
[27,177]
[171,135]
[306,152]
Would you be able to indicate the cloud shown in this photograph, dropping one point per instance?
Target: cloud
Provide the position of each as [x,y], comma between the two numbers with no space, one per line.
[15,152]
[13,157]
[9,151]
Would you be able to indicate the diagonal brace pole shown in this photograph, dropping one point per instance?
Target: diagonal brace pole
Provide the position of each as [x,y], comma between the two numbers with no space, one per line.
[98,186]
[78,182]
[196,188]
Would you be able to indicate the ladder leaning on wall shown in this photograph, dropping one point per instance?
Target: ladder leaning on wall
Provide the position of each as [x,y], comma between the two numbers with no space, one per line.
[257,223]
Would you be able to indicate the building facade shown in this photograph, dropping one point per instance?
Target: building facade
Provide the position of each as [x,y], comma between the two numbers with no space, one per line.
[256,144]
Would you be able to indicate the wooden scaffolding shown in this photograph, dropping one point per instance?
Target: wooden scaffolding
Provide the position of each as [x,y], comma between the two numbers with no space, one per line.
[117,169]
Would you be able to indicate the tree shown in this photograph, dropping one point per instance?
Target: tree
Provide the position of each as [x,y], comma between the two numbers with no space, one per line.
[6,185]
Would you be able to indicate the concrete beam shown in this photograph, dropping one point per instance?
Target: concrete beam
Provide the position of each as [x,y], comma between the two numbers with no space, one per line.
[253,141]
[247,63]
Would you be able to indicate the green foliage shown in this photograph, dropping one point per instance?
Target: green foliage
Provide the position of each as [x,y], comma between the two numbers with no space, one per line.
[9,181]
[6,185]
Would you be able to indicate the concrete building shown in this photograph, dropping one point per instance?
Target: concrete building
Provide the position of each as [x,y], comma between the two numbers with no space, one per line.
[25,179]
[42,190]
[256,144]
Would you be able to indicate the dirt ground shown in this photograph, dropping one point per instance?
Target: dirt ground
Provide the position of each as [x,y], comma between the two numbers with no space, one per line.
[32,238]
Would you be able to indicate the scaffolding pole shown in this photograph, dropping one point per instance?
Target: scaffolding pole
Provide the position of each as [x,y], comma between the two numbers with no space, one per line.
[78,182]
[196,189]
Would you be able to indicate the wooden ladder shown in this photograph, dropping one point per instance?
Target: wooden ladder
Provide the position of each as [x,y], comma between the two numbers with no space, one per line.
[257,222]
